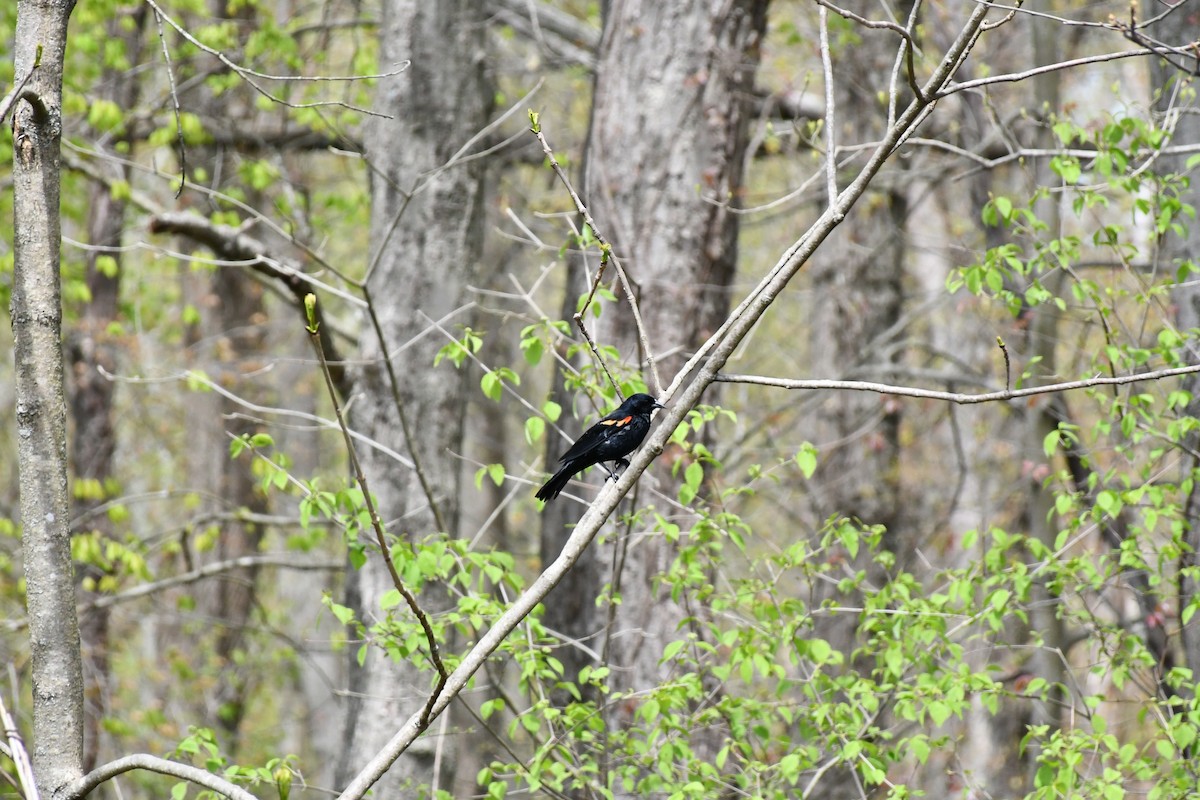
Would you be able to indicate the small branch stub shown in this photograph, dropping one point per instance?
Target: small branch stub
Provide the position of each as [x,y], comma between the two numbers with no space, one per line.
[1007,364]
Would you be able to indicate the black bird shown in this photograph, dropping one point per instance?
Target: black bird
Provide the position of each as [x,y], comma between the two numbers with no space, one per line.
[611,439]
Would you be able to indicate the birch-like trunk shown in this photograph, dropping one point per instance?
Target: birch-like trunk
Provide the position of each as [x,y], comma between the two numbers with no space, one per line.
[36,312]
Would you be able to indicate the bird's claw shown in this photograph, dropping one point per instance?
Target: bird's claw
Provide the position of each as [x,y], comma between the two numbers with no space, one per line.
[621,464]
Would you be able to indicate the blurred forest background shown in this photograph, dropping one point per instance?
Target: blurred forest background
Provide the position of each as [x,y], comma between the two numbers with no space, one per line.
[848,244]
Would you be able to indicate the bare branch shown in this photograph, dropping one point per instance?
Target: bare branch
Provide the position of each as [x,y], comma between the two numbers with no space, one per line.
[194,576]
[199,378]
[556,32]
[208,571]
[1014,77]
[234,243]
[961,398]
[166,51]
[87,783]
[250,211]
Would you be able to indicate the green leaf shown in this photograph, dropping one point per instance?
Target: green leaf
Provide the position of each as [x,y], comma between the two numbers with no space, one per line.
[344,615]
[533,348]
[1109,502]
[107,265]
[939,712]
[496,473]
[492,382]
[1004,207]
[491,385]
[806,459]
[672,649]
[534,428]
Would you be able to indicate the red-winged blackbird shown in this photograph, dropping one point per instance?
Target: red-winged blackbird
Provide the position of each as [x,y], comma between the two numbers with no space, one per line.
[611,439]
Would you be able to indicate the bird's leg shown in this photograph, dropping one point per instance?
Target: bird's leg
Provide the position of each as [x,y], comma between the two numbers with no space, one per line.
[621,464]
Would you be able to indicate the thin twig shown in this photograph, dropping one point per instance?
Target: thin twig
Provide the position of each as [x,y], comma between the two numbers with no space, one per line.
[461,156]
[248,74]
[360,477]
[405,425]
[235,243]
[17,753]
[251,212]
[208,570]
[1016,77]
[166,51]
[1007,364]
[961,398]
[606,255]
[830,109]
[9,99]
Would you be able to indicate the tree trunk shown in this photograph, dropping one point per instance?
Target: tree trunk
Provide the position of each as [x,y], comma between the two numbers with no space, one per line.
[664,161]
[426,243]
[36,312]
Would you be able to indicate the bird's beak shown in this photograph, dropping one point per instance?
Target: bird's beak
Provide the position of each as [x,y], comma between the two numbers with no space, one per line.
[658,404]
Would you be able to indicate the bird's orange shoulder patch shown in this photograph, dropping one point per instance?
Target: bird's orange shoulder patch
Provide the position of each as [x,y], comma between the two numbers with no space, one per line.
[620,423]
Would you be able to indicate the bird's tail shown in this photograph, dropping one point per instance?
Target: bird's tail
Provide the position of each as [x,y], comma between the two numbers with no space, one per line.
[556,484]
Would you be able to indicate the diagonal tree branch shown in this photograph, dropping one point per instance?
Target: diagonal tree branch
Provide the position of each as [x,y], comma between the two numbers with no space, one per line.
[689,384]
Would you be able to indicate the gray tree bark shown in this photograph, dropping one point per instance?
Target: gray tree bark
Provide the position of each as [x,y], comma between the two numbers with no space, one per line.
[36,312]
[426,243]
[664,161]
